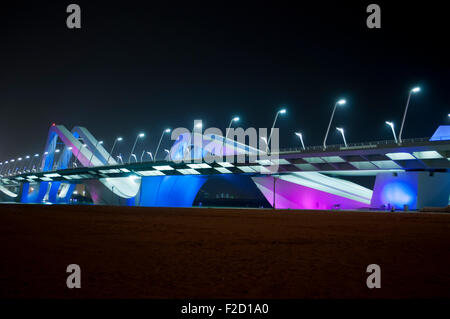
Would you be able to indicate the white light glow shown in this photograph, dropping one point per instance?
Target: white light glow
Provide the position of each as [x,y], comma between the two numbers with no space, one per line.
[400,156]
[427,155]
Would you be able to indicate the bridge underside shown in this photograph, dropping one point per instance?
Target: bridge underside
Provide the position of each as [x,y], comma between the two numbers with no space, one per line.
[415,176]
[292,191]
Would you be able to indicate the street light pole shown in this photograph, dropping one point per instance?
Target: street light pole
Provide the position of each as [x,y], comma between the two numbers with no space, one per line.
[301,139]
[282,111]
[414,90]
[234,119]
[340,102]
[112,149]
[159,143]
[141,135]
[343,135]
[391,124]
[168,153]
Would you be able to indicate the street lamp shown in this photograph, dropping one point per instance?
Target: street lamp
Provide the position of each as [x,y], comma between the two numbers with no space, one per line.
[150,154]
[142,155]
[167,130]
[140,135]
[168,153]
[119,139]
[343,135]
[12,161]
[413,90]
[15,164]
[282,111]
[24,169]
[265,141]
[32,161]
[119,159]
[135,158]
[339,102]
[391,124]
[6,166]
[234,119]
[301,139]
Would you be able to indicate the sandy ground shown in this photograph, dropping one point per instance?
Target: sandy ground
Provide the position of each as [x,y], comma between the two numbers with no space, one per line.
[220,253]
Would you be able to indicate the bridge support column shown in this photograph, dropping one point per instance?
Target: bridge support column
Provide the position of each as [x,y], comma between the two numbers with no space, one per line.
[414,189]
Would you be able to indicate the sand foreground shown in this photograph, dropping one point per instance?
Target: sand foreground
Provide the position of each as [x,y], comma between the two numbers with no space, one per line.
[220,253]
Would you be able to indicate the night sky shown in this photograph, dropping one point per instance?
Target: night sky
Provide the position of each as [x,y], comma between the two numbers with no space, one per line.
[144,66]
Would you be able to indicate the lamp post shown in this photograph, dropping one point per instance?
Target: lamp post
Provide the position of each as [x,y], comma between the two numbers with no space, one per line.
[119,159]
[12,161]
[413,90]
[119,139]
[95,147]
[339,102]
[234,119]
[15,164]
[301,139]
[142,155]
[135,158]
[150,154]
[167,130]
[265,141]
[32,161]
[341,130]
[24,169]
[391,124]
[282,111]
[168,153]
[140,135]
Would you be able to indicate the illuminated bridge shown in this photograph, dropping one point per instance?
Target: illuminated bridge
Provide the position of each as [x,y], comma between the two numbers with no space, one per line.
[415,173]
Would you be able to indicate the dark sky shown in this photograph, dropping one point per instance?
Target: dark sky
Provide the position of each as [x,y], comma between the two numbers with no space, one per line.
[143,66]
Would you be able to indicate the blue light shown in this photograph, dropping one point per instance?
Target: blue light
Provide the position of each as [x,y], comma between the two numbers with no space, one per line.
[398,194]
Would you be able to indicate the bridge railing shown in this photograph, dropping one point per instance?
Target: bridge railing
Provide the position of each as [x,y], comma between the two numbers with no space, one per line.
[332,147]
[354,145]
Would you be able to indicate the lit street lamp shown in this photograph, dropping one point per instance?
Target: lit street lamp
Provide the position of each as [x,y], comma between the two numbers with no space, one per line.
[150,154]
[414,90]
[119,139]
[391,124]
[340,102]
[343,135]
[15,165]
[159,143]
[234,119]
[141,135]
[301,139]
[24,169]
[282,111]
[32,161]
